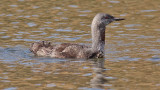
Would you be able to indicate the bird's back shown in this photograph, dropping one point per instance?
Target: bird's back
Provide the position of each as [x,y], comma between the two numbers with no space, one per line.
[64,50]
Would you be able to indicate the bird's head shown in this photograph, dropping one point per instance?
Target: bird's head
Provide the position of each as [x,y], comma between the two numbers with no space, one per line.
[105,19]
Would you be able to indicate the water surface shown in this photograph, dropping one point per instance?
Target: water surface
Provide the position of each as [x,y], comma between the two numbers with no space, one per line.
[132,59]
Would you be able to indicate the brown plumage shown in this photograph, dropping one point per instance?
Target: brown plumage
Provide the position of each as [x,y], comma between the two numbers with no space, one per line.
[67,50]
[64,50]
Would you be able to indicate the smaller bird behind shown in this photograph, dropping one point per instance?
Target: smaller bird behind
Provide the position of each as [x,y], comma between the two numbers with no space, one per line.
[68,50]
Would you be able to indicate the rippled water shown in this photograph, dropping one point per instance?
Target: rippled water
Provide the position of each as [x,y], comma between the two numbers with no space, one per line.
[132,59]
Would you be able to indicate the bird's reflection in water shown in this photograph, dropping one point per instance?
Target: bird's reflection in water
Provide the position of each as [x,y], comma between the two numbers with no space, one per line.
[98,77]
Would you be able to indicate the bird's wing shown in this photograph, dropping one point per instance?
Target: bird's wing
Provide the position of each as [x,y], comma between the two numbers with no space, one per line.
[42,48]
[67,50]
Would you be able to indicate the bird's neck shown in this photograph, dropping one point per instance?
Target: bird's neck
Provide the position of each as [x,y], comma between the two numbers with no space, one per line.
[98,37]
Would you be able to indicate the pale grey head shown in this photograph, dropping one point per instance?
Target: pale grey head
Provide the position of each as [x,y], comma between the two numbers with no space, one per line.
[105,19]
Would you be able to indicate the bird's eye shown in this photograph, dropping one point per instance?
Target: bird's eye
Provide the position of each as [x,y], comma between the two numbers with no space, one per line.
[106,17]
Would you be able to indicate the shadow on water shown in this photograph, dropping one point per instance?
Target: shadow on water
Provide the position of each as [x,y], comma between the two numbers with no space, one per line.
[99,78]
[14,53]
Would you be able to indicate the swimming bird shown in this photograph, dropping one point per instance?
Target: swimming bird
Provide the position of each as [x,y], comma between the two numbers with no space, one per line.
[68,50]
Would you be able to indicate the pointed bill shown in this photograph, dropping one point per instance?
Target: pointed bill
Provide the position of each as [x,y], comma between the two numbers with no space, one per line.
[118,19]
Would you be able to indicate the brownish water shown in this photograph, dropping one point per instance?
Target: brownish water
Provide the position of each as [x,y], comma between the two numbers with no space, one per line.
[132,59]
